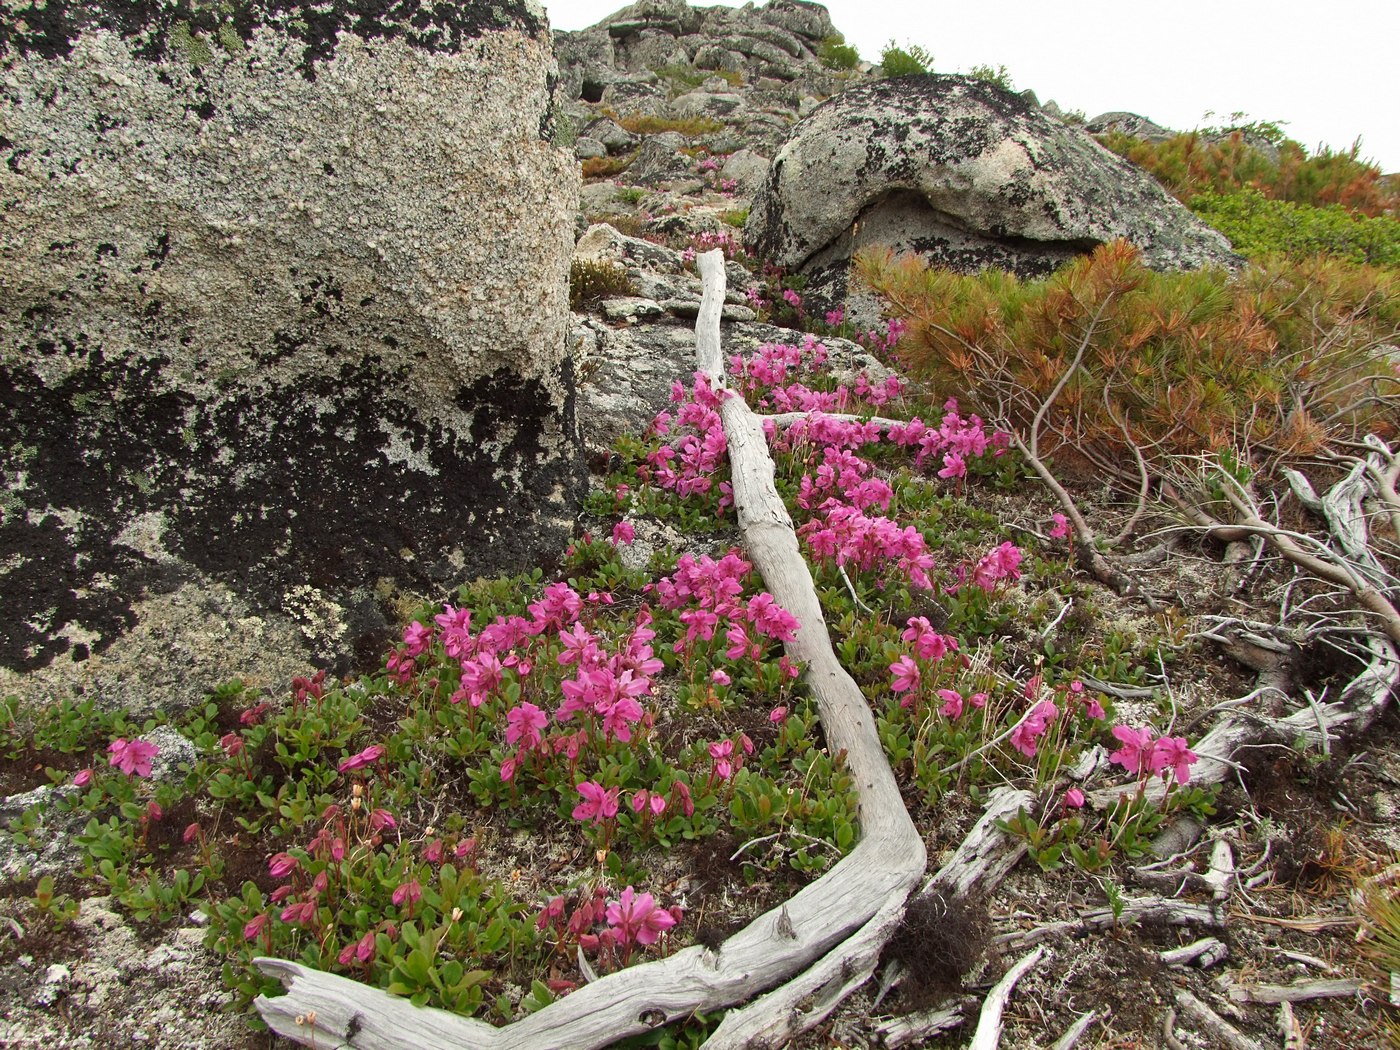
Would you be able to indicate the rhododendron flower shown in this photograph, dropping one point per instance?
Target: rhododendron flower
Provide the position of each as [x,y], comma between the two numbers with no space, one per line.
[1074,799]
[508,768]
[82,778]
[255,926]
[524,724]
[599,803]
[681,790]
[417,638]
[1025,735]
[1171,753]
[778,714]
[1136,753]
[232,744]
[132,757]
[637,918]
[368,757]
[623,533]
[302,913]
[906,675]
[719,677]
[953,466]
[952,702]
[282,864]
[644,799]
[253,715]
[407,893]
[719,754]
[1060,528]
[380,819]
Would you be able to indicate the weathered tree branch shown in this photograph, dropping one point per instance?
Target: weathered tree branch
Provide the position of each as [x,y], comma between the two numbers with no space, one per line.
[861,895]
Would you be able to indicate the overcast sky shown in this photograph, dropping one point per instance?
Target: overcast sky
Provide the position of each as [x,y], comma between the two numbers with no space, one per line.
[1329,70]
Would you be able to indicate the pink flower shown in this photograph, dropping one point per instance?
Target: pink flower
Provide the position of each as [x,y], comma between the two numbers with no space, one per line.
[623,533]
[232,744]
[367,757]
[952,702]
[282,864]
[953,466]
[380,819]
[1171,752]
[1061,526]
[906,675]
[417,638]
[524,725]
[255,926]
[82,778]
[300,914]
[778,714]
[1136,753]
[508,768]
[637,918]
[599,803]
[719,677]
[409,893]
[132,757]
[1074,799]
[720,753]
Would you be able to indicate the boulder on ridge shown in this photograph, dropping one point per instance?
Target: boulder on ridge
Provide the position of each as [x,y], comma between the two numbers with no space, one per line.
[966,174]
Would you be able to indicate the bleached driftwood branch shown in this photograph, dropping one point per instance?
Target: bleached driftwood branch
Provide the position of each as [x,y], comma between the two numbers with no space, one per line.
[859,899]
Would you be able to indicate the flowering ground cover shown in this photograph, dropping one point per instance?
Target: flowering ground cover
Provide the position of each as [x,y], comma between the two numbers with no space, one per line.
[552,778]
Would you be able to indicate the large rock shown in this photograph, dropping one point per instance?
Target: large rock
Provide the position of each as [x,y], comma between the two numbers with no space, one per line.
[966,174]
[283,298]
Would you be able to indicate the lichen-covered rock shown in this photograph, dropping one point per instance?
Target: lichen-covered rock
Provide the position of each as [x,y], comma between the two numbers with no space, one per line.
[966,174]
[283,299]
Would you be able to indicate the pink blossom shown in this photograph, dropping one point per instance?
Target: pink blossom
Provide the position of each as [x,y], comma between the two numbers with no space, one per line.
[906,675]
[409,893]
[132,757]
[255,926]
[720,753]
[82,778]
[300,914]
[380,819]
[778,714]
[599,804]
[1061,526]
[417,638]
[367,757]
[1171,753]
[524,725]
[952,702]
[623,533]
[637,918]
[508,768]
[719,677]
[1136,753]
[282,864]
[1074,799]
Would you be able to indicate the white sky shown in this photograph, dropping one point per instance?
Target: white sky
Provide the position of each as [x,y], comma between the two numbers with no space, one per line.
[1331,71]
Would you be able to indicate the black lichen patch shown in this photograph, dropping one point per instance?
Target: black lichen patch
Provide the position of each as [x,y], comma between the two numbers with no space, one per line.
[265,488]
[88,462]
[157,26]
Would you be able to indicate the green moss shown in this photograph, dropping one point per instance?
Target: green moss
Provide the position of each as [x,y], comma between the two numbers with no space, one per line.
[190,45]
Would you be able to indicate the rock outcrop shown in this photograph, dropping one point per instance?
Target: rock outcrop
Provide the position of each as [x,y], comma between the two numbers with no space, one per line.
[966,174]
[283,299]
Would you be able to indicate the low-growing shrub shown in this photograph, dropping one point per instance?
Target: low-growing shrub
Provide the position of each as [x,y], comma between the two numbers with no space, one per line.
[1257,225]
[1287,357]
[835,53]
[899,62]
[1190,164]
[591,280]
